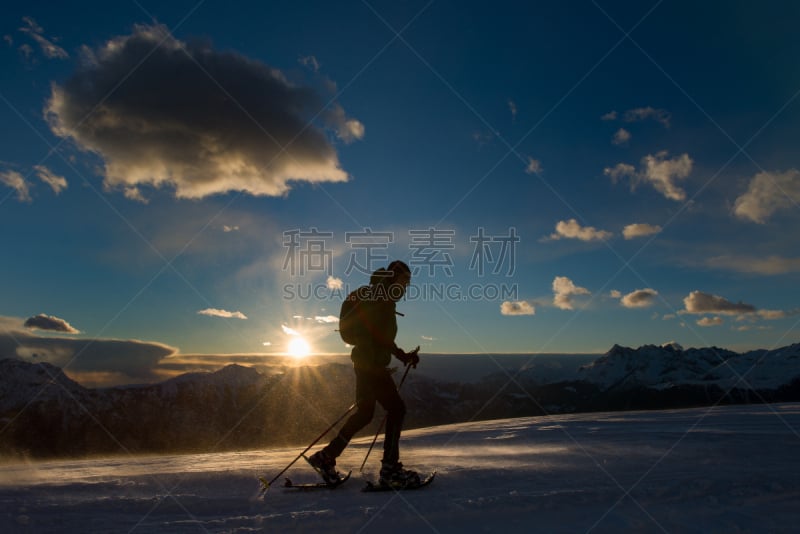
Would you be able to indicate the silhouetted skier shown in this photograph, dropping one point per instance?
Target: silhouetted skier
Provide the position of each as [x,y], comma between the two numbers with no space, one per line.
[368,321]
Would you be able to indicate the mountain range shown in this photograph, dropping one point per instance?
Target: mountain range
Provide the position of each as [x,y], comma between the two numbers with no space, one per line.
[43,413]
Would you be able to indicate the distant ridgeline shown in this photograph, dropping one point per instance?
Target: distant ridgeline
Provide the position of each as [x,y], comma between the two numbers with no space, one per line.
[43,413]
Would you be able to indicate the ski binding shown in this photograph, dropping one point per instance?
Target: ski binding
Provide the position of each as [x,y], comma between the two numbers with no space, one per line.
[371,486]
[316,485]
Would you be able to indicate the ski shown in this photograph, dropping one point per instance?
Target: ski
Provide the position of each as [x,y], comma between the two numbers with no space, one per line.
[371,486]
[316,485]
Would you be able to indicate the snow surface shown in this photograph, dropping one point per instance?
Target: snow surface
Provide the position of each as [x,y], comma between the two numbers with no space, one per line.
[723,469]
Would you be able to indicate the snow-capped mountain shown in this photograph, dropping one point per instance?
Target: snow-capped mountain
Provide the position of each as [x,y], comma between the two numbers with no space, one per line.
[44,413]
[669,366]
[23,382]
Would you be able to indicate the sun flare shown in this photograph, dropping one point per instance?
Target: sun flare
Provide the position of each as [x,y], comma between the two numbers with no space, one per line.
[299,347]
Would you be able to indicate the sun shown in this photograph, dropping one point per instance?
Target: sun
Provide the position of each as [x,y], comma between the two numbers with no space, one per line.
[299,347]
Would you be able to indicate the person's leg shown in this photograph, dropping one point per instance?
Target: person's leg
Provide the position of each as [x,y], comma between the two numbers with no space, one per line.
[365,410]
[388,396]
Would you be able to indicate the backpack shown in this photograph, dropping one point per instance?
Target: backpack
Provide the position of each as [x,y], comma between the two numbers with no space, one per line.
[351,322]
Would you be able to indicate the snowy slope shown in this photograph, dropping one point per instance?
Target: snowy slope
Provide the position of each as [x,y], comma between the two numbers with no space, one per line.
[725,469]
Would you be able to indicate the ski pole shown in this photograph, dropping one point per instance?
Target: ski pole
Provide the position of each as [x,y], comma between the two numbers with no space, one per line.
[266,485]
[361,469]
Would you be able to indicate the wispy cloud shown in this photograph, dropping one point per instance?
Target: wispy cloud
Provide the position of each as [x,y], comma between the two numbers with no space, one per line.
[767,193]
[644,113]
[214,312]
[710,321]
[632,231]
[572,229]
[534,166]
[512,107]
[33,30]
[310,62]
[661,116]
[174,138]
[769,265]
[17,182]
[57,183]
[657,171]
[289,331]
[621,137]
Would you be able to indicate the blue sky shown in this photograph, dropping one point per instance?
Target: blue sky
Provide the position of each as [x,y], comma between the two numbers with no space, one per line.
[196,179]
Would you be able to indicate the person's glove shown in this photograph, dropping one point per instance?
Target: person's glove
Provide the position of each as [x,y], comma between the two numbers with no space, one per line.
[408,358]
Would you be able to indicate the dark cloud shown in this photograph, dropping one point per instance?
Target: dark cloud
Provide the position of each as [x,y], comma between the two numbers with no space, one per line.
[699,302]
[48,322]
[162,112]
[127,361]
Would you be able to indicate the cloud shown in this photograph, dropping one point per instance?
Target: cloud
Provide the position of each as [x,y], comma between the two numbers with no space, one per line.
[519,307]
[767,193]
[119,361]
[17,182]
[57,183]
[289,331]
[621,137]
[571,229]
[769,265]
[662,173]
[310,62]
[195,119]
[641,298]
[534,166]
[334,283]
[640,114]
[610,116]
[512,107]
[699,302]
[710,321]
[51,323]
[135,194]
[657,171]
[47,46]
[620,171]
[635,230]
[326,319]
[615,294]
[214,312]
[483,138]
[774,315]
[346,129]
[228,229]
[22,186]
[563,292]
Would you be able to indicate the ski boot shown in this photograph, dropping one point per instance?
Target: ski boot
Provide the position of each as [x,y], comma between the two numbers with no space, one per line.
[393,475]
[325,465]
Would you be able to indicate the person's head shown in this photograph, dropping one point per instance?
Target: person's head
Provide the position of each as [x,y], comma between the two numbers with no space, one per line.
[394,278]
